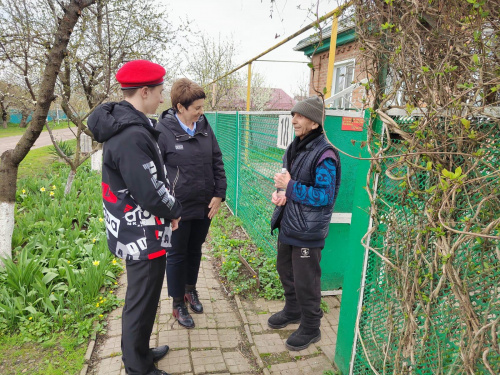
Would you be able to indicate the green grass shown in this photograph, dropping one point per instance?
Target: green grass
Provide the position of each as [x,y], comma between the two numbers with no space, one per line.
[38,161]
[14,129]
[58,356]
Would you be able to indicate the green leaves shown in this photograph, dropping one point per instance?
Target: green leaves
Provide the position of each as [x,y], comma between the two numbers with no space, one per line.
[49,276]
[465,123]
[386,26]
[51,282]
[475,59]
[451,175]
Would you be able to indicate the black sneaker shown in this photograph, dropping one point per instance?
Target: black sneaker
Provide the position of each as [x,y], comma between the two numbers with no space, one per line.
[302,338]
[282,319]
[180,312]
[191,297]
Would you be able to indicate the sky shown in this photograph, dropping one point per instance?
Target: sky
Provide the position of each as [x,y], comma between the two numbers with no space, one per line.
[249,24]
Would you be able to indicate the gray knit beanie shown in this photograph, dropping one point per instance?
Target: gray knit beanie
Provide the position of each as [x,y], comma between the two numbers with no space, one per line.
[312,108]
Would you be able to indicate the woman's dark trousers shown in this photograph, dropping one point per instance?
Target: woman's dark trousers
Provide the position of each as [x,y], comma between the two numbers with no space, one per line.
[184,257]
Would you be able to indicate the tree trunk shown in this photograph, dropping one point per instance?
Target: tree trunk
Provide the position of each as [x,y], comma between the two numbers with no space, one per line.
[69,181]
[5,114]
[12,158]
[8,171]
[96,160]
[24,119]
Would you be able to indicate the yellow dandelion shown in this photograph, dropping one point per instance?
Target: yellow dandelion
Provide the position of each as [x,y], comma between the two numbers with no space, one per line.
[254,276]
[42,189]
[30,318]
[96,305]
[101,316]
[54,187]
[69,262]
[51,193]
[110,292]
[93,240]
[24,191]
[101,219]
[96,263]
[114,262]
[116,283]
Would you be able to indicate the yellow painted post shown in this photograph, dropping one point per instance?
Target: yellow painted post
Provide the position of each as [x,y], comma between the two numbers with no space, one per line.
[246,133]
[331,58]
[248,85]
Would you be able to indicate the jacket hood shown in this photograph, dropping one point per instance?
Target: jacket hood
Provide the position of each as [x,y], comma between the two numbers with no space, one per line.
[111,118]
[168,120]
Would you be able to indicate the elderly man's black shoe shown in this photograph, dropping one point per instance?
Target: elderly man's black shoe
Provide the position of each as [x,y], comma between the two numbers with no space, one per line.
[159,352]
[281,319]
[302,338]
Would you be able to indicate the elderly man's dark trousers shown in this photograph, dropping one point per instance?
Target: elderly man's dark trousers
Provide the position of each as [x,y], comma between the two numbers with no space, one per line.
[300,274]
[144,283]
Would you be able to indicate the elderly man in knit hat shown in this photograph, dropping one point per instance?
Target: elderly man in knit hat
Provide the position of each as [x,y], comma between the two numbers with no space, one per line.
[139,211]
[304,203]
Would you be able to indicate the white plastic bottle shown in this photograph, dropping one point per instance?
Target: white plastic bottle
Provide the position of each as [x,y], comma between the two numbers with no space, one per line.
[283,171]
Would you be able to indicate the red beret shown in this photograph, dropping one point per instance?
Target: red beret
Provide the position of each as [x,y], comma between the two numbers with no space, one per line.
[140,73]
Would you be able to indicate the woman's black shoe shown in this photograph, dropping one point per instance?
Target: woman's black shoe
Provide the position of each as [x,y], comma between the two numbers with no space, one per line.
[191,297]
[180,312]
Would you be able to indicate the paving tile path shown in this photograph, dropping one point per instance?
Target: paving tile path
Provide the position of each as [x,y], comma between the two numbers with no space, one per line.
[43,140]
[230,337]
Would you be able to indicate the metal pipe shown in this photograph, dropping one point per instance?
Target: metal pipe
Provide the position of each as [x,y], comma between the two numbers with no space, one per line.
[331,57]
[248,85]
[305,28]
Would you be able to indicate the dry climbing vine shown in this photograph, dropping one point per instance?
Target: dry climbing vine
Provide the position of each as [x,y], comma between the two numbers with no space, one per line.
[431,302]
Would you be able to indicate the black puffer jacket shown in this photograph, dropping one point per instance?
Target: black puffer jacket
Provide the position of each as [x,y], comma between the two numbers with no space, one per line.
[194,164]
[137,202]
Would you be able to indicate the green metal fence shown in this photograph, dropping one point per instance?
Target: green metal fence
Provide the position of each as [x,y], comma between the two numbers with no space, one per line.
[248,141]
[439,328]
[251,158]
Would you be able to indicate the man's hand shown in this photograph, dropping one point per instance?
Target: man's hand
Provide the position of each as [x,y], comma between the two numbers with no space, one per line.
[278,198]
[175,223]
[281,180]
[214,206]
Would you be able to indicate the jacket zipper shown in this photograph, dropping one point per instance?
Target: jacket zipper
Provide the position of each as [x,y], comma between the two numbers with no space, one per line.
[175,182]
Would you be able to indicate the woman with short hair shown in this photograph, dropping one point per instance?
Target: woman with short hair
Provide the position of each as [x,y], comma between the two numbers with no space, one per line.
[194,165]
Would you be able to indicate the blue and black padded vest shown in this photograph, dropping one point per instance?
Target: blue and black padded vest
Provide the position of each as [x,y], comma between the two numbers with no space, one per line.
[302,225]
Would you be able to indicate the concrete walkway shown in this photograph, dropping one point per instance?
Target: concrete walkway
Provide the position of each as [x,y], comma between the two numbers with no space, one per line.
[230,337]
[43,140]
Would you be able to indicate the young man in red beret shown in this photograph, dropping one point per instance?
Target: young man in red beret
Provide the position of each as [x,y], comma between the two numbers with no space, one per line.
[139,211]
